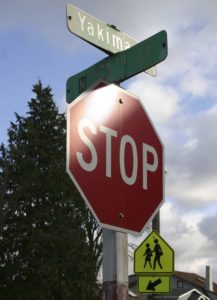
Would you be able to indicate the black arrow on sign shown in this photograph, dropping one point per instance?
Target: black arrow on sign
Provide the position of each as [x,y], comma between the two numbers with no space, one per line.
[151,285]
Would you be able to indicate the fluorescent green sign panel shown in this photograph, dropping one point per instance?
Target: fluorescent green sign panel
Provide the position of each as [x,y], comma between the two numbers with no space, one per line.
[120,66]
[154,255]
[98,33]
[154,284]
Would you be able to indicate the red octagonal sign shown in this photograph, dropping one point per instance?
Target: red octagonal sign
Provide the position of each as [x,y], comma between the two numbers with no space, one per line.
[115,158]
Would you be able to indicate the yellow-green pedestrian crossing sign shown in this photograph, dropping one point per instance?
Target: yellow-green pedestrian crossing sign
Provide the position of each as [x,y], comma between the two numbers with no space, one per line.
[153,262]
[154,256]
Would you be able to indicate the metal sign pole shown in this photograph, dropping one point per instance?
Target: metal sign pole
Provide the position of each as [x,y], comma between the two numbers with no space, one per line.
[156,222]
[115,265]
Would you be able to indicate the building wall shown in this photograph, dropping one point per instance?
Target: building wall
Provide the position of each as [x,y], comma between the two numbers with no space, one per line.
[180,286]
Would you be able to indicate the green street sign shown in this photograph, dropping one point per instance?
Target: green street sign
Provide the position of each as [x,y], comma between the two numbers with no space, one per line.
[154,284]
[120,66]
[154,256]
[96,32]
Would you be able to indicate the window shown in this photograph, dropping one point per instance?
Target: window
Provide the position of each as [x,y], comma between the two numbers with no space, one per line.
[179,284]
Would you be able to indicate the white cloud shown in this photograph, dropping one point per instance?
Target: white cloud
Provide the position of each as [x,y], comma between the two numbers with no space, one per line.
[194,193]
[192,173]
[194,84]
[182,232]
[208,228]
[161,102]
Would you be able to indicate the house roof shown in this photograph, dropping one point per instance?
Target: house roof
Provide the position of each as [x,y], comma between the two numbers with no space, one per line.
[194,279]
[193,294]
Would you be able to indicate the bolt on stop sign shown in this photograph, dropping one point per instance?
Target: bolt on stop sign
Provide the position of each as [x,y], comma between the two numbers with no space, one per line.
[115,157]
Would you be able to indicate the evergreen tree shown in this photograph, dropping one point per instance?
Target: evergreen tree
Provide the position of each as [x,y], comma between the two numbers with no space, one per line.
[50,243]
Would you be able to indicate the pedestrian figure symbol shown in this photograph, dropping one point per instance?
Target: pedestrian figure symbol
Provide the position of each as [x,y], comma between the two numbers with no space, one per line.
[158,253]
[157,250]
[148,255]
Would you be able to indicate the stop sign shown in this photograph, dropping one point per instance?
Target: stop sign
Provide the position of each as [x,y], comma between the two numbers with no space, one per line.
[115,157]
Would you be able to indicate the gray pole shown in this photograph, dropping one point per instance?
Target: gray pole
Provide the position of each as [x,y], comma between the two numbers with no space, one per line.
[156,219]
[115,265]
[156,222]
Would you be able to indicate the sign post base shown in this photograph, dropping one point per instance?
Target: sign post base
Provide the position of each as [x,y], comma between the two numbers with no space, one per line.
[115,265]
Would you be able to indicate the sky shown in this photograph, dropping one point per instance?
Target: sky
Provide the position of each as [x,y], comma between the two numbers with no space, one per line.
[181,101]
